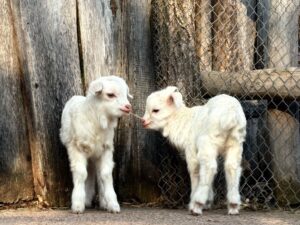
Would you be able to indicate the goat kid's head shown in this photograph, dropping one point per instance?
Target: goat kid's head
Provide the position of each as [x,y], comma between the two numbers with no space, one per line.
[160,105]
[113,93]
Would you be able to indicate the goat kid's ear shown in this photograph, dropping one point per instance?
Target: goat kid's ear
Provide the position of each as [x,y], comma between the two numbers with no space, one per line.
[172,89]
[96,87]
[175,99]
[129,95]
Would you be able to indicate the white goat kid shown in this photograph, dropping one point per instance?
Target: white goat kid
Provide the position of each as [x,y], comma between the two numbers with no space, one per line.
[202,132]
[87,131]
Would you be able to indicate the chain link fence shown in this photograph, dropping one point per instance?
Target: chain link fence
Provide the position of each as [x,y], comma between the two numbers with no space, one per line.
[248,49]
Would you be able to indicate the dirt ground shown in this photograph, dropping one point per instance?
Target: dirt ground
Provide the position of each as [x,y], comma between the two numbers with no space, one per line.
[144,216]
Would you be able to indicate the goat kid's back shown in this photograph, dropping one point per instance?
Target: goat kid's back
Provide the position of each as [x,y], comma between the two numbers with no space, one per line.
[225,112]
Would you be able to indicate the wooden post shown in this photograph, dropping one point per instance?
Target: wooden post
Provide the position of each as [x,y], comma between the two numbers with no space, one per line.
[47,36]
[285,147]
[278,33]
[15,159]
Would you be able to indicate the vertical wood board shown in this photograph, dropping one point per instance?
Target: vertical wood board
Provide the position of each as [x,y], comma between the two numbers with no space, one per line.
[49,57]
[96,38]
[15,159]
[136,148]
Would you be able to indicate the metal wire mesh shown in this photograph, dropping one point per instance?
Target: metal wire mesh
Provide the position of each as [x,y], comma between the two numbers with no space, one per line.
[248,49]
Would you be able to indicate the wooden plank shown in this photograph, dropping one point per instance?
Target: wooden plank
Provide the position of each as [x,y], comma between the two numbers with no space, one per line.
[136,158]
[268,83]
[47,37]
[285,148]
[96,38]
[15,159]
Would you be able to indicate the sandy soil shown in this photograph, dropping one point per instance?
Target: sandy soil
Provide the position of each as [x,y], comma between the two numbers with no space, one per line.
[143,216]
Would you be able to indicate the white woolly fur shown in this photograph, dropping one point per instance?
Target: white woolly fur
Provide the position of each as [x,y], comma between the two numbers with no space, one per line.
[202,133]
[87,131]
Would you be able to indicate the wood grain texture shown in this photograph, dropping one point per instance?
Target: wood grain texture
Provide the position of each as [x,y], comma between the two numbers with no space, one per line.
[115,39]
[174,43]
[15,159]
[136,152]
[234,35]
[278,33]
[96,37]
[269,83]
[203,37]
[50,60]
[285,148]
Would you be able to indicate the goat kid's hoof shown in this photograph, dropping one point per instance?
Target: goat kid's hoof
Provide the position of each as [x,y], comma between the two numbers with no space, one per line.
[114,208]
[102,204]
[233,212]
[233,209]
[78,209]
[196,212]
[196,209]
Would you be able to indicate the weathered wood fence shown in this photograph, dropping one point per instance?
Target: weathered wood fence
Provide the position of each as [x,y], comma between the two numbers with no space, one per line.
[49,51]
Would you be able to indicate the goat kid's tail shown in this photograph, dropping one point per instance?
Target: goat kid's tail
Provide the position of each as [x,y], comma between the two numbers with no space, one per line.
[232,119]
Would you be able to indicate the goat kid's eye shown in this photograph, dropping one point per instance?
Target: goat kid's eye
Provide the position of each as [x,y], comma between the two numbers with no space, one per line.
[111,95]
[155,110]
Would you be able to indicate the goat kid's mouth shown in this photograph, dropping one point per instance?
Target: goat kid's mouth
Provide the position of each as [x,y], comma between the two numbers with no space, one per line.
[125,110]
[146,125]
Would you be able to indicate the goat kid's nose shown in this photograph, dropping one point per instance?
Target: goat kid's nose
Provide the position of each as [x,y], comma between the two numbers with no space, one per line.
[128,106]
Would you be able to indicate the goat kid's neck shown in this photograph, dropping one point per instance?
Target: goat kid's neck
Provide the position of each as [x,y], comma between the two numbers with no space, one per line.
[98,111]
[174,120]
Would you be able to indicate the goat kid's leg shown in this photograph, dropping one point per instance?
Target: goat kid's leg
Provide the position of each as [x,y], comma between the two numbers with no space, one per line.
[233,173]
[102,201]
[208,169]
[193,168]
[210,198]
[78,163]
[90,184]
[107,196]
[201,195]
